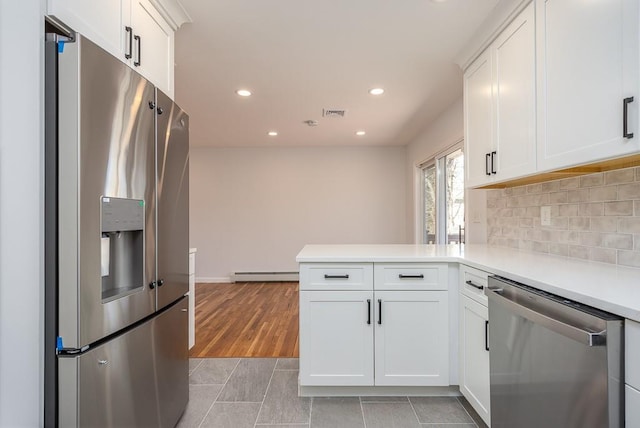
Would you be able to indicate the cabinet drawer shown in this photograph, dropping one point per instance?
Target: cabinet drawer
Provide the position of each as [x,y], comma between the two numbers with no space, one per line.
[473,282]
[632,406]
[632,353]
[410,276]
[192,263]
[339,276]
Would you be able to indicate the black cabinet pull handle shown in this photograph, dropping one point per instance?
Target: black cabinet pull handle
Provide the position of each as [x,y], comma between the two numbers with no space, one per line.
[368,311]
[160,282]
[129,32]
[493,169]
[486,164]
[379,311]
[152,285]
[625,111]
[336,276]
[160,110]
[139,49]
[403,276]
[486,335]
[479,287]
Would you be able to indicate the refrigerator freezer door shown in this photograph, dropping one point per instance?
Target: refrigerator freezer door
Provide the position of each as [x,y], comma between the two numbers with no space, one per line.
[138,379]
[106,149]
[173,201]
[171,344]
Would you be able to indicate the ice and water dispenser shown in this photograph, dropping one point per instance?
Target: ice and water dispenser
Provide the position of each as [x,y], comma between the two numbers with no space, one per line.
[122,247]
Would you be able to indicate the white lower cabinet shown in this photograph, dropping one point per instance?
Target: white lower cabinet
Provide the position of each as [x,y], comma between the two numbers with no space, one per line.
[336,338]
[474,355]
[343,331]
[411,338]
[192,297]
[632,406]
[632,373]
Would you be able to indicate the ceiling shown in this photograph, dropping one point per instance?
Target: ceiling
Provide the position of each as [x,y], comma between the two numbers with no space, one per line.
[300,57]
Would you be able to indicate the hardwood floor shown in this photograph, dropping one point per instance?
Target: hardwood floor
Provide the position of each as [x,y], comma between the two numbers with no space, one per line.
[256,319]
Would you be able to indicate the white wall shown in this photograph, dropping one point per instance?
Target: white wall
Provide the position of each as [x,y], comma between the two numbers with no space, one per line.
[253,209]
[445,131]
[21,218]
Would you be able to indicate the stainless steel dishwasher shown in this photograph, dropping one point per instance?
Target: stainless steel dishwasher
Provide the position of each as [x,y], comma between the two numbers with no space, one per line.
[554,363]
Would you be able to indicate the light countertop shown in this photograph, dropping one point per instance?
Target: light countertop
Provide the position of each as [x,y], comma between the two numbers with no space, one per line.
[608,287]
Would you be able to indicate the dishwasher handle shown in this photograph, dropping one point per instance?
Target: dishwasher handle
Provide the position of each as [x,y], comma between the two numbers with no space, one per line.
[576,333]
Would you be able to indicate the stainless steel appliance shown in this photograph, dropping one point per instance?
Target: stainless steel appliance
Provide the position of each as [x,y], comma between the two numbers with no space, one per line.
[116,243]
[554,363]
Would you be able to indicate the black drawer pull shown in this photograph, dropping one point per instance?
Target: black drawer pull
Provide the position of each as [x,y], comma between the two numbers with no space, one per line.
[138,62]
[368,311]
[493,169]
[625,105]
[379,311]
[486,163]
[403,276]
[486,335]
[479,287]
[336,276]
[129,51]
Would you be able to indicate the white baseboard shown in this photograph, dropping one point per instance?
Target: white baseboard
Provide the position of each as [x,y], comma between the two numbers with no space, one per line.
[265,276]
[382,391]
[213,279]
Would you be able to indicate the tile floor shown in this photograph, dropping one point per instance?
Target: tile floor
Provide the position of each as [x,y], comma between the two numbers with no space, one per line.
[263,392]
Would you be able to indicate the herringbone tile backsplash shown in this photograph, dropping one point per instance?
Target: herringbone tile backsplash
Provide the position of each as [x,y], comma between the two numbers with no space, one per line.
[593,217]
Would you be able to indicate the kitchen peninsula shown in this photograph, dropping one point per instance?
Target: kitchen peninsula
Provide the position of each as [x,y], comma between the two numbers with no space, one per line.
[415,319]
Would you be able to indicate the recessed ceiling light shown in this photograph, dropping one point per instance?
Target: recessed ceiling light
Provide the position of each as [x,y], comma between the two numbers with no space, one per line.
[272,133]
[243,92]
[360,133]
[376,91]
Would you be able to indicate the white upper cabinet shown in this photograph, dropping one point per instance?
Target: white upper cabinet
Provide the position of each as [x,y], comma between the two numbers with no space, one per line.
[154,45]
[134,31]
[478,120]
[515,98]
[500,121]
[588,64]
[103,22]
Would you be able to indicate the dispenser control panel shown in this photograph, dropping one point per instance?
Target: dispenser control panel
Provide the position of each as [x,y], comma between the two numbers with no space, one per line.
[121,215]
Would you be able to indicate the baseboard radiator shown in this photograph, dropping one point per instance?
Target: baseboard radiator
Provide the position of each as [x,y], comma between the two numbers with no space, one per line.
[264,276]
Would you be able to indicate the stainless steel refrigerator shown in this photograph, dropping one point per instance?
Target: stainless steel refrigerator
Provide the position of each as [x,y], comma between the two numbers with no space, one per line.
[116,239]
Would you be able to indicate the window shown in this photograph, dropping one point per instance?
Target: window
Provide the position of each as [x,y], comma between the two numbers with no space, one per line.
[443,199]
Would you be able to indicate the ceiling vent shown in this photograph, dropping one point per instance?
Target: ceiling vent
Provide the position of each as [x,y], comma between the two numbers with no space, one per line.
[333,112]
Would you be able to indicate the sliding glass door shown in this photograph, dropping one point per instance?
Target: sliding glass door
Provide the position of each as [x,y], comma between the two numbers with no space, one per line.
[443,199]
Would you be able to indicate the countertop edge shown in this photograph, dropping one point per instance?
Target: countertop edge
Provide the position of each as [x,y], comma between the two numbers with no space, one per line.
[606,305]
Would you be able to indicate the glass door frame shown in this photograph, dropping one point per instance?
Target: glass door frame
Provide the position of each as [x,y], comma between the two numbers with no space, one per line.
[440,197]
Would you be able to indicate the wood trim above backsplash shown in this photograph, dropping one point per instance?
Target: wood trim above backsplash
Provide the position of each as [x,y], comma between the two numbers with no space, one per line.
[607,165]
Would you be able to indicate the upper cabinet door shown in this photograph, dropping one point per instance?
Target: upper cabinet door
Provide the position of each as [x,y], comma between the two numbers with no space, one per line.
[478,120]
[153,45]
[514,70]
[103,22]
[588,64]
